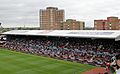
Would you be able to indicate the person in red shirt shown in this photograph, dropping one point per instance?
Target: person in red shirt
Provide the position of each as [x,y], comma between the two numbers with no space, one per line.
[107,66]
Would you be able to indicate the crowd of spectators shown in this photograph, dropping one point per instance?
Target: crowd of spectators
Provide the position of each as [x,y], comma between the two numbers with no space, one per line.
[88,51]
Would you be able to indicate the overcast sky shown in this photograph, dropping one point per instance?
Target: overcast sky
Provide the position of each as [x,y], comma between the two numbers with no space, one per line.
[25,12]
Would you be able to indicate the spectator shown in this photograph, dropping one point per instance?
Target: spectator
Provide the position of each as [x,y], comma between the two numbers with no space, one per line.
[88,51]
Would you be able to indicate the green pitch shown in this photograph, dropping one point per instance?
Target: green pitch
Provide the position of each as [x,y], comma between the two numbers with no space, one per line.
[19,63]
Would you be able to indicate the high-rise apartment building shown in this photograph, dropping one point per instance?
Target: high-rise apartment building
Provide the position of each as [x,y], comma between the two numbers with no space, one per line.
[112,23]
[51,18]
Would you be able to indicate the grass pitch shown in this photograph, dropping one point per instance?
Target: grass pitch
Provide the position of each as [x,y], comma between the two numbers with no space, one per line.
[19,63]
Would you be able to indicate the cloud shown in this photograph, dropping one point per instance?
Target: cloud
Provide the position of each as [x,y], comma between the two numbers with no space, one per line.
[19,12]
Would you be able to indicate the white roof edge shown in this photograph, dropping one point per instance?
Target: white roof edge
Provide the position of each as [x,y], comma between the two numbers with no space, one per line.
[110,34]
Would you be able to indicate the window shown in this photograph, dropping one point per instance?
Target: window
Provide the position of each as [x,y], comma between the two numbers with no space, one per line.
[110,28]
[95,22]
[110,24]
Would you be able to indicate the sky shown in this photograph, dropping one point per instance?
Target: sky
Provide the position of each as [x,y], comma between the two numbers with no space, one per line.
[25,13]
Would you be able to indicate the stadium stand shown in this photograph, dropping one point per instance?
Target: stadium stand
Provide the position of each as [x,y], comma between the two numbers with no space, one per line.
[88,47]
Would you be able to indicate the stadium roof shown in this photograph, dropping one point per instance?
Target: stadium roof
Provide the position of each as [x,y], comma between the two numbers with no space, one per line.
[110,34]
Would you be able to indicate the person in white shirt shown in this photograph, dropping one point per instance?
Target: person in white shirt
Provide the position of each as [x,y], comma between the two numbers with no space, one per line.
[115,65]
[118,64]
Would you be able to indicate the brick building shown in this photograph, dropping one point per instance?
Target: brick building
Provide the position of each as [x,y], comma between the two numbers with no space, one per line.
[51,18]
[112,23]
[71,24]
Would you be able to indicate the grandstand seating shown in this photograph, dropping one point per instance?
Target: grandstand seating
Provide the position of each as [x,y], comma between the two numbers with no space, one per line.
[84,50]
